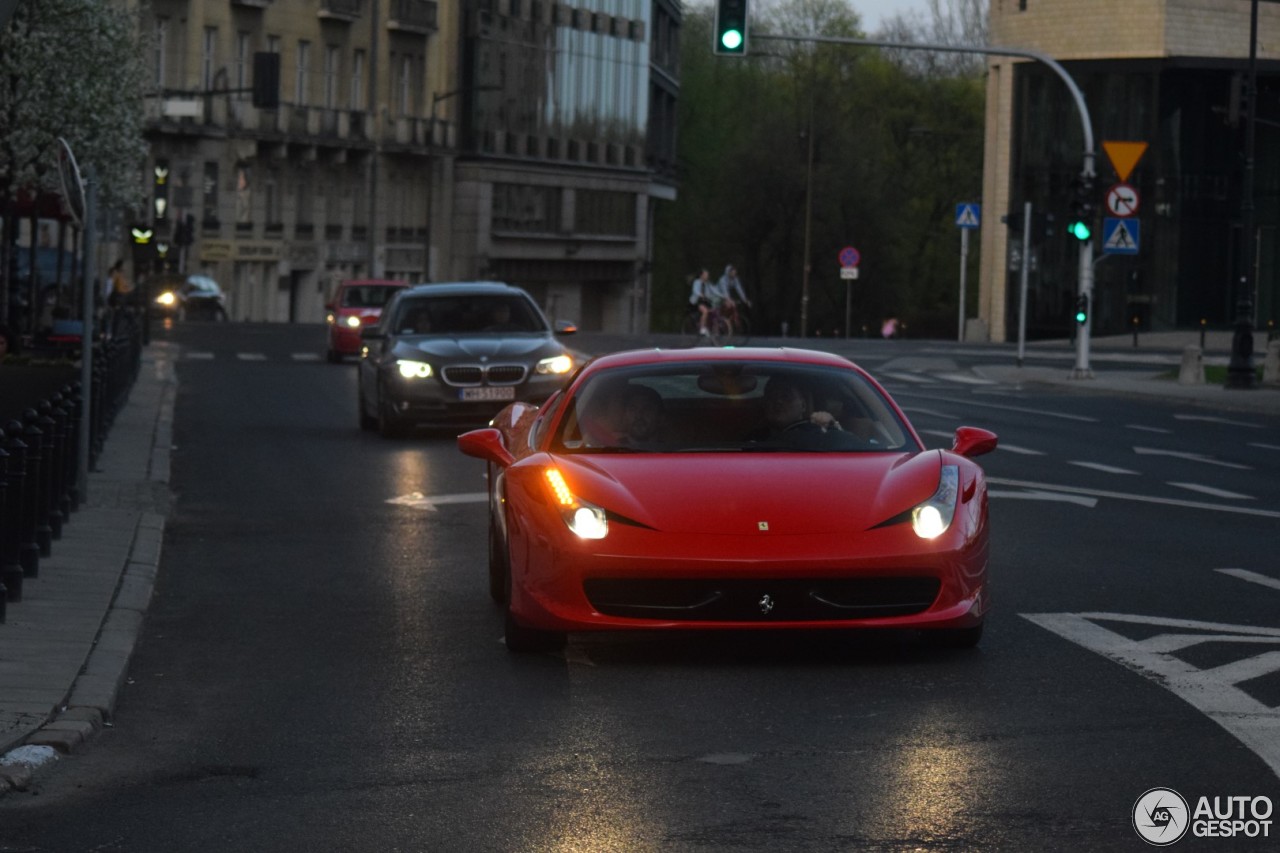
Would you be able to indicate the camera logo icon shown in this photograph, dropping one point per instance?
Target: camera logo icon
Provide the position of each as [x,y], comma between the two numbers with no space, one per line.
[1161,817]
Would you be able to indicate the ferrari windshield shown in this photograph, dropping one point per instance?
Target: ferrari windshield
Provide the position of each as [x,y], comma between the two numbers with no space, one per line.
[461,314]
[730,406]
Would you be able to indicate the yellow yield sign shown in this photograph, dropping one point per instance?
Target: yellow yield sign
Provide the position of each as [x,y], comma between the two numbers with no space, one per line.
[1124,156]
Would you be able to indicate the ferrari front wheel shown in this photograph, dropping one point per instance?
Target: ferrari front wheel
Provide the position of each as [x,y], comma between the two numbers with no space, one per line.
[499,578]
[522,639]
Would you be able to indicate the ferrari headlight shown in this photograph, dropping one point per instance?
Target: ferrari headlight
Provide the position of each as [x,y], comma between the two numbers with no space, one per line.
[585,520]
[167,298]
[353,321]
[932,518]
[413,369]
[556,364]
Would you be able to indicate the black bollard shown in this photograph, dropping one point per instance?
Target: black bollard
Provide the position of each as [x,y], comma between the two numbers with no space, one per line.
[73,445]
[60,503]
[38,479]
[50,467]
[10,569]
[19,488]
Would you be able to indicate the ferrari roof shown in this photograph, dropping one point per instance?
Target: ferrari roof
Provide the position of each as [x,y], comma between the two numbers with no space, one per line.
[780,355]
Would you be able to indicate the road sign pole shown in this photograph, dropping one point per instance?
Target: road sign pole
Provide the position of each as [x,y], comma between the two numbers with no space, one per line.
[1022,288]
[964,264]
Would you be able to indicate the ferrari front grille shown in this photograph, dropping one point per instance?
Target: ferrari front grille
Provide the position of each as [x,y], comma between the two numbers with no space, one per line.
[743,600]
[476,374]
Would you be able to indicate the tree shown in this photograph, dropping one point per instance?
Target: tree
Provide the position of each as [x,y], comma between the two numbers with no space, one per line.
[893,151]
[72,69]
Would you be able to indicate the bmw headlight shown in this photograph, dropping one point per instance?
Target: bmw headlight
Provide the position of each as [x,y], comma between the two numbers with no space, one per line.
[557,364]
[353,321]
[932,518]
[585,520]
[413,369]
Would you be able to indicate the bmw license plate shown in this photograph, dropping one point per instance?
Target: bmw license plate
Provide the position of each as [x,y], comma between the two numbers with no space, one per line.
[489,392]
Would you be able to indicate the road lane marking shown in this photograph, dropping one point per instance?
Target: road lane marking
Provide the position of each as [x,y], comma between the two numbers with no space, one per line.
[1124,496]
[1160,430]
[251,356]
[305,356]
[199,356]
[1098,466]
[970,402]
[1190,457]
[1210,490]
[931,412]
[908,377]
[1015,448]
[1212,691]
[418,500]
[1213,419]
[1079,500]
[1261,446]
[1251,577]
[966,379]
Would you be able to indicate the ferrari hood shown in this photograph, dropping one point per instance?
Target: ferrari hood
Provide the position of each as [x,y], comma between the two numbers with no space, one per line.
[480,347]
[727,493]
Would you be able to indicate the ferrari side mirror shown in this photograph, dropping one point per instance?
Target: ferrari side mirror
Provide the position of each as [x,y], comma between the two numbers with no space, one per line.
[485,444]
[972,441]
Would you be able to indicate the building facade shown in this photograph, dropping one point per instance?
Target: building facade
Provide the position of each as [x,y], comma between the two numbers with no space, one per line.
[1169,74]
[517,140]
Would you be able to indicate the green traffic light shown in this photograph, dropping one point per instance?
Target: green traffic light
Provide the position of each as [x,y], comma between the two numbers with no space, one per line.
[731,39]
[1081,317]
[1079,229]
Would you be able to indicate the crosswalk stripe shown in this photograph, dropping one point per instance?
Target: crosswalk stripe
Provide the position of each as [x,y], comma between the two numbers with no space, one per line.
[1210,490]
[251,356]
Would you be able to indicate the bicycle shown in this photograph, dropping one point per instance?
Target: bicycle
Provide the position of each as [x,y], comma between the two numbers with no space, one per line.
[719,329]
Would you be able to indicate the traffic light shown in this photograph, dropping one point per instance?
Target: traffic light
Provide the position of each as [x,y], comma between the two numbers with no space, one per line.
[1081,224]
[1082,309]
[731,27]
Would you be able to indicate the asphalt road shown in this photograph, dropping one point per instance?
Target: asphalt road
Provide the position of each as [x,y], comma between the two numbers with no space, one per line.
[322,669]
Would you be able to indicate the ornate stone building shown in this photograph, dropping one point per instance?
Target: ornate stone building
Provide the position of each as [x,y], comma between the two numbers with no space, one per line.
[520,140]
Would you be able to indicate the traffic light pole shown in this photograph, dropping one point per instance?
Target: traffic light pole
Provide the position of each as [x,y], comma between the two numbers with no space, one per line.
[1087,173]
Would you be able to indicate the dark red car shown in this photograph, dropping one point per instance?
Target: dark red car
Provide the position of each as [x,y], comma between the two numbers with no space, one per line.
[730,489]
[356,303]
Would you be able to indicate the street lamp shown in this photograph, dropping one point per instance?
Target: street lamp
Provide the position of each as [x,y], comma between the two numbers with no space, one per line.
[1240,369]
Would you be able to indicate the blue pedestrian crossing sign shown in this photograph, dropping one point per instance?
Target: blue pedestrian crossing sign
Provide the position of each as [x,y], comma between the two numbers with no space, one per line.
[968,214]
[1120,236]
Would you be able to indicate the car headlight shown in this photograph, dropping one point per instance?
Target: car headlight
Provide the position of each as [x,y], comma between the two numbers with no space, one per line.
[353,321]
[555,364]
[167,298]
[413,369]
[932,518]
[585,520]
[330,319]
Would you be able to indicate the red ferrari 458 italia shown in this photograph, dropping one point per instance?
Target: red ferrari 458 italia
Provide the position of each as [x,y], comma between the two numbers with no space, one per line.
[730,489]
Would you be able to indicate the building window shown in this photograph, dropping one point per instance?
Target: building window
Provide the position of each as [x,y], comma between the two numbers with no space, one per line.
[209,208]
[357,80]
[406,84]
[242,61]
[161,46]
[303,72]
[604,212]
[331,61]
[208,57]
[526,208]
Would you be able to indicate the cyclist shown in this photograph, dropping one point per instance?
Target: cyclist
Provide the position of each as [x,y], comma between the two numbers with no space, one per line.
[729,285]
[704,295]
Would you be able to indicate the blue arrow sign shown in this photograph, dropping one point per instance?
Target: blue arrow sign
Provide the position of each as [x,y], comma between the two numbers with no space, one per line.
[1120,236]
[968,215]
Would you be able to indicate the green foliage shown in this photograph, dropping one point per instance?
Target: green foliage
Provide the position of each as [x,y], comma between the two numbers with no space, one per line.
[73,69]
[893,151]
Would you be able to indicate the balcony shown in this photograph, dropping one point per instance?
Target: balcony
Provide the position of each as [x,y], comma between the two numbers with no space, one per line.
[413,16]
[340,10]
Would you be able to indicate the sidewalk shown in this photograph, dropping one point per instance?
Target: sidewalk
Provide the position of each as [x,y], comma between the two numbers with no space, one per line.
[65,647]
